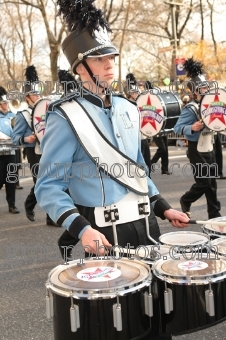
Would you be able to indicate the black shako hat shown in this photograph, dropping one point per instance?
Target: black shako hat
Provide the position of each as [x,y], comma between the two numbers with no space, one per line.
[3,94]
[195,72]
[89,31]
[32,87]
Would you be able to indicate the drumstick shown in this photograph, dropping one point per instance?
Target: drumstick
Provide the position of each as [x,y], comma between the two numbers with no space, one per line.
[222,223]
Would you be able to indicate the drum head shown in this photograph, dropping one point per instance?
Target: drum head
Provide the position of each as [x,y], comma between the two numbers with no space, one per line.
[219,245]
[38,117]
[151,253]
[214,228]
[99,278]
[197,271]
[213,110]
[152,114]
[184,238]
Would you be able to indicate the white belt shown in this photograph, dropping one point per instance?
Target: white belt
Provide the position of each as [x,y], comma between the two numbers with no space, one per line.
[132,207]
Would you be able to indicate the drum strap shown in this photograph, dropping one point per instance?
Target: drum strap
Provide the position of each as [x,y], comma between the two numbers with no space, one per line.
[101,151]
[27,116]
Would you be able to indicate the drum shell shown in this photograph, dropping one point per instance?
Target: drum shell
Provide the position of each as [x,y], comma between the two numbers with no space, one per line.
[96,318]
[189,312]
[214,230]
[172,109]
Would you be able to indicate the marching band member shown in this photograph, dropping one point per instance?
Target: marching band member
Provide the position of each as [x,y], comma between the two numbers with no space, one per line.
[110,137]
[7,158]
[23,134]
[190,125]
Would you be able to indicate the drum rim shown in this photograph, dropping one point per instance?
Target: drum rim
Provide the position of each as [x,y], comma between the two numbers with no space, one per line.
[219,88]
[189,280]
[184,232]
[93,294]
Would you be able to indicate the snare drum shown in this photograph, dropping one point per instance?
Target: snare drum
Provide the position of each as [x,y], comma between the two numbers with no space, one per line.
[185,241]
[100,299]
[150,254]
[38,117]
[213,230]
[159,112]
[218,246]
[213,109]
[191,294]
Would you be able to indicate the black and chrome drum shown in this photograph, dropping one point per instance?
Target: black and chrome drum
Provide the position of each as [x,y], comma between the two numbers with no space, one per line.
[185,242]
[99,300]
[159,112]
[213,230]
[218,246]
[191,293]
[38,117]
[213,110]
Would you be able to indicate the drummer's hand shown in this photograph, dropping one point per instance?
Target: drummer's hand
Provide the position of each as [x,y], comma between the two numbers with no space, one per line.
[30,139]
[89,236]
[197,126]
[177,218]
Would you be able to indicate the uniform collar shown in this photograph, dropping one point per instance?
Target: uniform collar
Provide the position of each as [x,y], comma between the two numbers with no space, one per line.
[96,100]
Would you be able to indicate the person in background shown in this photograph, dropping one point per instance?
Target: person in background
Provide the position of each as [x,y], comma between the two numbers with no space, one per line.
[7,157]
[219,155]
[190,125]
[23,135]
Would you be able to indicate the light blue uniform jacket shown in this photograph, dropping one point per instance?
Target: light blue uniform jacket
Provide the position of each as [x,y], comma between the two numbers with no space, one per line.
[5,123]
[61,149]
[22,130]
[183,126]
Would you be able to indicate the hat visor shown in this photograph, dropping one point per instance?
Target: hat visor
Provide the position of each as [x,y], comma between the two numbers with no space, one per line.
[33,92]
[104,52]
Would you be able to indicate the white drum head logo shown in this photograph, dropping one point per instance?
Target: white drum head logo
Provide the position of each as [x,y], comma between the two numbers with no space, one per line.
[98,274]
[152,114]
[213,111]
[193,265]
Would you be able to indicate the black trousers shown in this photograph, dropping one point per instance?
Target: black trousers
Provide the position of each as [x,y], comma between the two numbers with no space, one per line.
[218,154]
[33,160]
[146,153]
[10,185]
[205,181]
[162,152]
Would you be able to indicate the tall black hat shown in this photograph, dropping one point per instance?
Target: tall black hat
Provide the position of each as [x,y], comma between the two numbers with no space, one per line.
[67,80]
[131,84]
[3,94]
[89,32]
[32,87]
[196,73]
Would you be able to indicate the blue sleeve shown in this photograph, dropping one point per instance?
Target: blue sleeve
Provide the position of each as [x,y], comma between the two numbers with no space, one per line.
[20,130]
[185,121]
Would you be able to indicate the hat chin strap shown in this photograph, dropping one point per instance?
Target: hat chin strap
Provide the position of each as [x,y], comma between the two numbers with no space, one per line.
[94,79]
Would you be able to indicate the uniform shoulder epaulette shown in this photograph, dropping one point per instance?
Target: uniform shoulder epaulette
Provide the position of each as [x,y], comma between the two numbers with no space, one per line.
[121,96]
[62,100]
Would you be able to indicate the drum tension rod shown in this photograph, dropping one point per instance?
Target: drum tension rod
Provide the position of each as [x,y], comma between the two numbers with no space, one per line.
[148,303]
[49,304]
[168,299]
[209,296]
[117,315]
[74,315]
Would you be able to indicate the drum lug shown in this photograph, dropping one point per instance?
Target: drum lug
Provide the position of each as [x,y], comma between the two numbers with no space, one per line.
[49,304]
[168,300]
[148,304]
[117,315]
[74,316]
[209,296]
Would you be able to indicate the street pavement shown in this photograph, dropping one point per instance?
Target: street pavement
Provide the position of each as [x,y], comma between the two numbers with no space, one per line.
[29,252]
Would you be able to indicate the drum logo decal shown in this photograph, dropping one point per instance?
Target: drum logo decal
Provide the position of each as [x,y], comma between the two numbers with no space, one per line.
[213,110]
[40,126]
[193,265]
[150,116]
[98,274]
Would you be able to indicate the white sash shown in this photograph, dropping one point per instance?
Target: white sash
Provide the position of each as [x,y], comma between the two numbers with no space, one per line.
[102,151]
[27,116]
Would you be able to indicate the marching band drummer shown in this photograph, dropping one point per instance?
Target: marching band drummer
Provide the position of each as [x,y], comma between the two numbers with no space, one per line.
[8,157]
[190,125]
[86,130]
[23,134]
